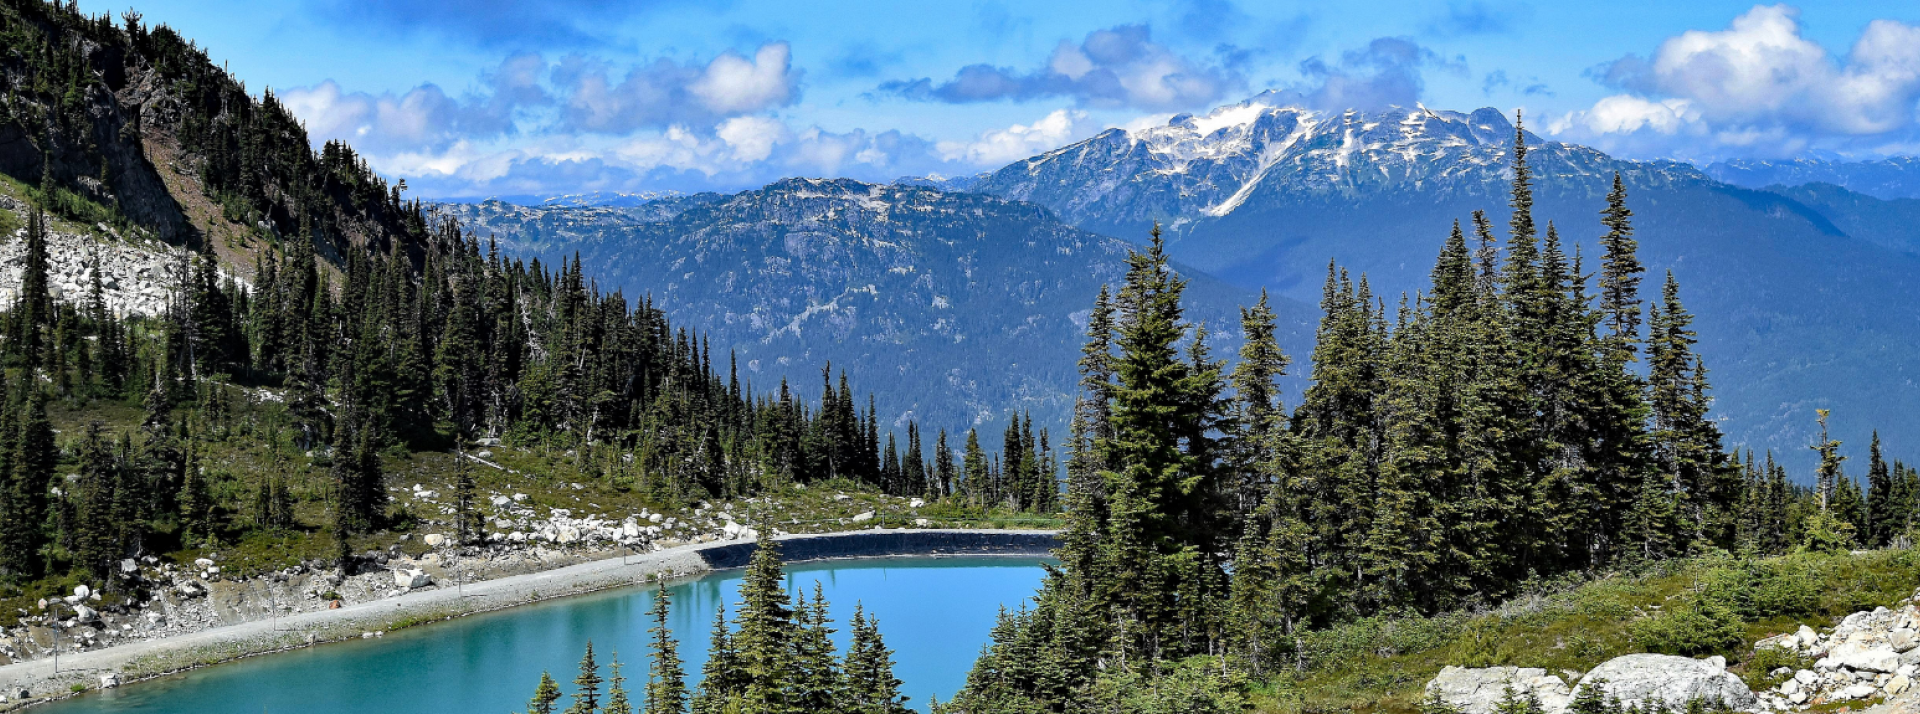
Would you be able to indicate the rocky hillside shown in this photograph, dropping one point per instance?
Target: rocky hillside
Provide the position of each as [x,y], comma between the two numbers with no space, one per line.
[111,122]
[955,307]
[1800,306]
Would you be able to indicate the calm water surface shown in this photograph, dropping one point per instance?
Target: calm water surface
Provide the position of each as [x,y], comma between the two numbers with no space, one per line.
[934,612]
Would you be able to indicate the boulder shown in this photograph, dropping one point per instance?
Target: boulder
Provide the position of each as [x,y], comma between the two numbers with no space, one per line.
[411,578]
[864,517]
[1480,690]
[435,540]
[1863,654]
[1898,684]
[1902,640]
[1643,679]
[1858,691]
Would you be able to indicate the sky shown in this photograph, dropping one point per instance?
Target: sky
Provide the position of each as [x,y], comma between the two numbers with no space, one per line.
[499,98]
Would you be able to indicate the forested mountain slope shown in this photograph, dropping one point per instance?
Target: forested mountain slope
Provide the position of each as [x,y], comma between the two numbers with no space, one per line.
[957,309]
[132,127]
[1813,306]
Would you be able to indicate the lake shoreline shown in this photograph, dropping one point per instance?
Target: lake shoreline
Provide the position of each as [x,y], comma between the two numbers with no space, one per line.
[152,659]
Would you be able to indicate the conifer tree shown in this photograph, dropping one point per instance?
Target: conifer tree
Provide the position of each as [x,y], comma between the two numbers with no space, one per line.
[871,686]
[1620,271]
[765,631]
[666,681]
[814,676]
[544,696]
[723,677]
[1883,522]
[617,702]
[586,692]
[196,504]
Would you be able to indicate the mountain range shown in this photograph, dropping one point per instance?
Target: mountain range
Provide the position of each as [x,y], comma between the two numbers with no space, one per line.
[956,309]
[1806,293]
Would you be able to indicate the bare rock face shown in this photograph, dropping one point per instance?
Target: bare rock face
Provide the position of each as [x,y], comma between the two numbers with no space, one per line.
[1480,690]
[1643,679]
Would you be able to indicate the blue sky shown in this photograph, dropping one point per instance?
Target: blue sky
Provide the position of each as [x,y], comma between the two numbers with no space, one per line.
[516,98]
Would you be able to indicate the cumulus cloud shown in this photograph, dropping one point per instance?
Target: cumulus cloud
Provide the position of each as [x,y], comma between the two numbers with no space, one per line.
[1758,87]
[741,153]
[666,93]
[425,117]
[1002,146]
[1389,71]
[1117,67]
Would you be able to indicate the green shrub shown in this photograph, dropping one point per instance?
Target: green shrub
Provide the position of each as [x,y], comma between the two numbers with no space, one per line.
[1767,659]
[1691,629]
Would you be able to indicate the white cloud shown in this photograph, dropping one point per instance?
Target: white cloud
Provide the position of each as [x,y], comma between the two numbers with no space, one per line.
[1760,87]
[732,84]
[998,147]
[666,93]
[1117,67]
[752,138]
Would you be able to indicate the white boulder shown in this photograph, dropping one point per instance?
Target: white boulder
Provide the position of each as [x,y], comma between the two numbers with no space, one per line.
[1864,654]
[436,540]
[864,517]
[1643,679]
[1480,690]
[411,578]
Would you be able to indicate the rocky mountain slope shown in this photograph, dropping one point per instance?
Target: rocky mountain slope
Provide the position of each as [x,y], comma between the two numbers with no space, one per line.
[133,127]
[1801,306]
[955,307]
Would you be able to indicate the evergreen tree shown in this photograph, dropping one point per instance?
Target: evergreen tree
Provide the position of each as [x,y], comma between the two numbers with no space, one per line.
[586,692]
[871,686]
[1884,521]
[666,682]
[814,676]
[544,696]
[617,702]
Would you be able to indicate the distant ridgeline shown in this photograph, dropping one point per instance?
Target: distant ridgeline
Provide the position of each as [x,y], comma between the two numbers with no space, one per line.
[1505,425]
[406,339]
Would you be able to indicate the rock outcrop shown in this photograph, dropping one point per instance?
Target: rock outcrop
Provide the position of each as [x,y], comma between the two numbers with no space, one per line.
[1480,690]
[1645,679]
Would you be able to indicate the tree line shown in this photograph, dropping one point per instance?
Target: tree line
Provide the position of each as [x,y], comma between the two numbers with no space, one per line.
[379,358]
[1521,419]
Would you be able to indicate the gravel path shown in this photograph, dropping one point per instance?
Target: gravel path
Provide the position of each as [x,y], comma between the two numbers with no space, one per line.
[152,658]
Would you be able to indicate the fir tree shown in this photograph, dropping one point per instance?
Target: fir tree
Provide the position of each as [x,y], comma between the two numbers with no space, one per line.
[666,681]
[544,696]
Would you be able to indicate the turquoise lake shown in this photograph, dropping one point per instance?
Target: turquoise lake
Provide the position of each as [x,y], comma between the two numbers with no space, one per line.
[935,613]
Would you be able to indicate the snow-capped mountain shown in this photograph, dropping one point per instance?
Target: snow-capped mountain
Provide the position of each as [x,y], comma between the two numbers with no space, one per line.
[1196,168]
